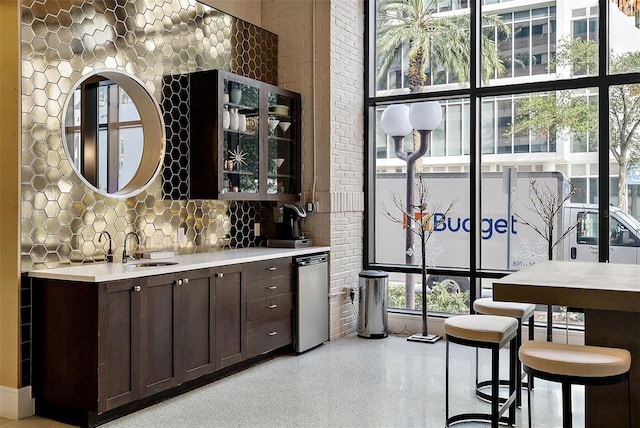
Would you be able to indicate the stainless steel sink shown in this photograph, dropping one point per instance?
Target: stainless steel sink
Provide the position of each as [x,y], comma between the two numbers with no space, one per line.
[151,264]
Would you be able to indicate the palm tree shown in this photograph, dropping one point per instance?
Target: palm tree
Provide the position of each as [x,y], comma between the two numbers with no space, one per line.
[432,41]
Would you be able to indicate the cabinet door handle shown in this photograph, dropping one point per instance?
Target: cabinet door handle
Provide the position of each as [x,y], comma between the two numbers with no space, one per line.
[178,282]
[272,333]
[272,268]
[137,288]
[185,281]
[219,274]
[272,306]
[271,287]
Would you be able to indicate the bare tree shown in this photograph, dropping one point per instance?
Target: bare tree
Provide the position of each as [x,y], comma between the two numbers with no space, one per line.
[418,218]
[547,206]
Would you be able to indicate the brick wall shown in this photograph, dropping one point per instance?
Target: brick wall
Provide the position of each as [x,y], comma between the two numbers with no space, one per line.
[325,63]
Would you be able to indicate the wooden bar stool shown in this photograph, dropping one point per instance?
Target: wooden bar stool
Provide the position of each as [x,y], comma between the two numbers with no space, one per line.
[490,332]
[574,365]
[520,311]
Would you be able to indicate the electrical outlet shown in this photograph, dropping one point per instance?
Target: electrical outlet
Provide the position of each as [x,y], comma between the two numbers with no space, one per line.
[350,293]
[181,233]
[312,206]
[256,229]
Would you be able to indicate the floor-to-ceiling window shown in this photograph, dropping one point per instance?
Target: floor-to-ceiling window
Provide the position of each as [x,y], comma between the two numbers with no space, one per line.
[534,111]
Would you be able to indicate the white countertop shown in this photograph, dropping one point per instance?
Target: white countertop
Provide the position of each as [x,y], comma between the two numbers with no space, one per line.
[100,272]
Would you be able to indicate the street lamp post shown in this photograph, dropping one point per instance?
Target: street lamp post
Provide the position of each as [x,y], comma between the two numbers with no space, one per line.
[398,121]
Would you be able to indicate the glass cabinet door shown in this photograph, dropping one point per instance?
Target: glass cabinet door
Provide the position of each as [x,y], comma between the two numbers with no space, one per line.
[244,139]
[241,137]
[281,141]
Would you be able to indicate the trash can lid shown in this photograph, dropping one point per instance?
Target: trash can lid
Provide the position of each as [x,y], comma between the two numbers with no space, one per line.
[373,274]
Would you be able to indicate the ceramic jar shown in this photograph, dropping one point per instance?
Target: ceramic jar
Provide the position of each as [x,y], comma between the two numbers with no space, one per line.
[236,95]
[226,119]
[233,120]
[242,123]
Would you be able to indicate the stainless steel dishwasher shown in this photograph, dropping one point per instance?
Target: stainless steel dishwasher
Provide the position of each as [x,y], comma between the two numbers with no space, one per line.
[312,301]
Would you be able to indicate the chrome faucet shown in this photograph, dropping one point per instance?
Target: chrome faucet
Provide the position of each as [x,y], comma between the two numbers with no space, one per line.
[109,255]
[125,256]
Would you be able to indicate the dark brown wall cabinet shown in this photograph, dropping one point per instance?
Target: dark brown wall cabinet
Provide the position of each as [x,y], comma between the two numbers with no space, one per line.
[245,138]
[98,347]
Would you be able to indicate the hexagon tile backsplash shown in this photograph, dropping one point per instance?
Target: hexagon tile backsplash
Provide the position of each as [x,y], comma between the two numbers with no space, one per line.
[152,40]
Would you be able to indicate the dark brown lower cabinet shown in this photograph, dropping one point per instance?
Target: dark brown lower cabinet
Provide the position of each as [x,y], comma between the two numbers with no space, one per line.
[269,306]
[159,334]
[177,323]
[118,339]
[231,310]
[268,334]
[197,323]
[113,345]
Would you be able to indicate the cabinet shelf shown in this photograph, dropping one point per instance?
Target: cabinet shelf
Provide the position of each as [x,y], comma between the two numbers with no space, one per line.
[240,172]
[280,176]
[243,109]
[233,131]
[283,139]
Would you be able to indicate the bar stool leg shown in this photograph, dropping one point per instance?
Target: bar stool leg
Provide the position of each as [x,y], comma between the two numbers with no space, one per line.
[495,387]
[477,365]
[518,376]
[515,379]
[530,377]
[531,337]
[446,386]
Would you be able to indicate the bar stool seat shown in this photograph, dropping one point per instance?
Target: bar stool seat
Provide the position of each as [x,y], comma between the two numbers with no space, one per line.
[491,332]
[519,311]
[488,306]
[574,364]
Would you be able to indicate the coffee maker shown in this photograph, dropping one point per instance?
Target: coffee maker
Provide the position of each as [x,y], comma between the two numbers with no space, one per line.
[288,230]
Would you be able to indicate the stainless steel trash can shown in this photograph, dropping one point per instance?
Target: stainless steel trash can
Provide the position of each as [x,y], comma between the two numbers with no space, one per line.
[372,315]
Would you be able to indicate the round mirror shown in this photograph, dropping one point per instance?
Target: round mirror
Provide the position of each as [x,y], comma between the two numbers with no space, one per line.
[113,133]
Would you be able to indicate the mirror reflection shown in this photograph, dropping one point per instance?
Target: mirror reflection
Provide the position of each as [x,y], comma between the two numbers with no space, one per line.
[114,135]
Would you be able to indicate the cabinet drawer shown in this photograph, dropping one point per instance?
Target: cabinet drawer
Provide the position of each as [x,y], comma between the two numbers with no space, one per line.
[270,306]
[269,333]
[268,268]
[269,287]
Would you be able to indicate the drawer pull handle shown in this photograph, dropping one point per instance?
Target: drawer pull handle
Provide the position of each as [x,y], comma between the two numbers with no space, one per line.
[178,282]
[272,268]
[137,288]
[185,281]
[219,274]
[272,333]
[272,306]
[272,287]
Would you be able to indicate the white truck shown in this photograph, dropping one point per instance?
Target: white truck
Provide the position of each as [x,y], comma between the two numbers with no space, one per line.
[507,244]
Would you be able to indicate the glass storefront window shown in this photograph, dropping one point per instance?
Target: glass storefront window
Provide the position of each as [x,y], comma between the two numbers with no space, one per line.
[550,135]
[436,196]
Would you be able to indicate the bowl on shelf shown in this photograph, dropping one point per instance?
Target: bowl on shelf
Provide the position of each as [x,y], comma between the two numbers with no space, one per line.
[273,122]
[284,126]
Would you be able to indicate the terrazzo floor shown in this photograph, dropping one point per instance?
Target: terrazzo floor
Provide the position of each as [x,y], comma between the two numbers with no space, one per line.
[350,382]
